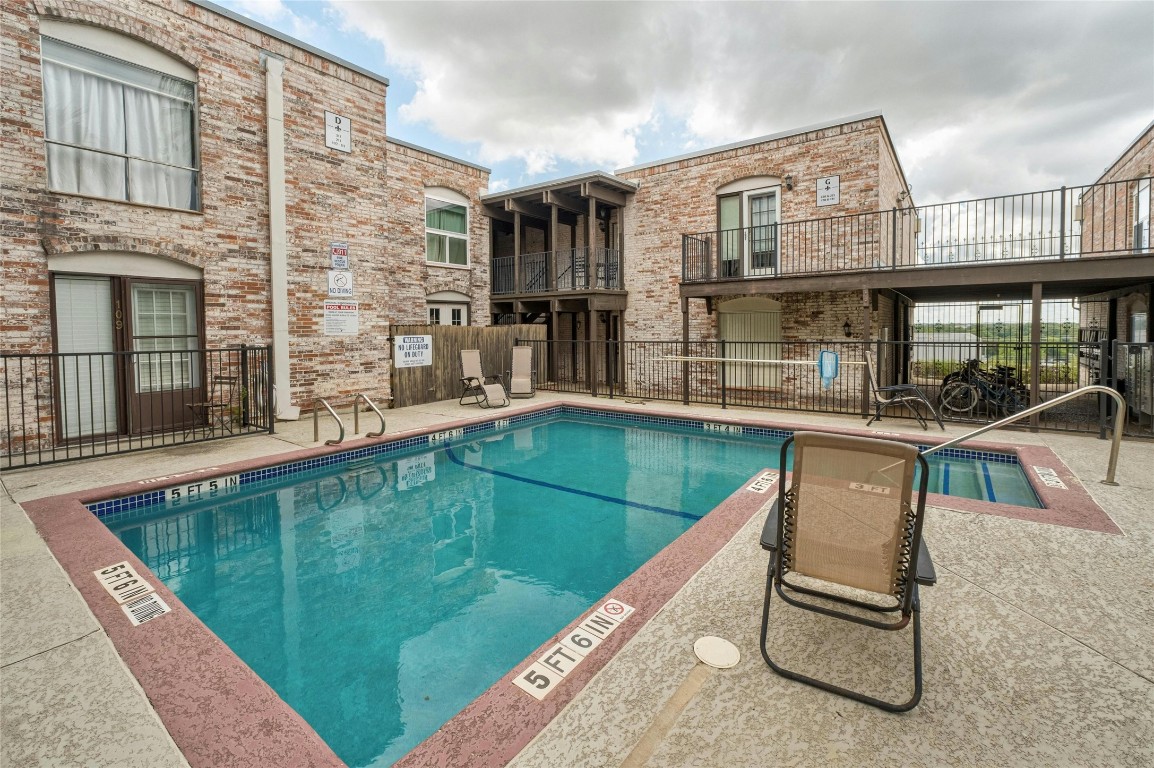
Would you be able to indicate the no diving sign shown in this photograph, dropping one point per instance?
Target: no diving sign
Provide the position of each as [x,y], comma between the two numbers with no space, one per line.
[543,675]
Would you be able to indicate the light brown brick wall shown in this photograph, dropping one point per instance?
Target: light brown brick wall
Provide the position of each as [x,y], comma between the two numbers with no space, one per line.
[330,196]
[408,277]
[680,197]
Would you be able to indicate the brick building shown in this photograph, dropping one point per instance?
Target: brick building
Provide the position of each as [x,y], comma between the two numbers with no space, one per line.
[274,168]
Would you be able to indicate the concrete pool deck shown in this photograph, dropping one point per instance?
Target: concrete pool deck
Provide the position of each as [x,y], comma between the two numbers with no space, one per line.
[1039,638]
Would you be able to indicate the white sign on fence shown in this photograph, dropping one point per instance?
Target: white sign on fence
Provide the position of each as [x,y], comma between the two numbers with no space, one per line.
[342,318]
[413,351]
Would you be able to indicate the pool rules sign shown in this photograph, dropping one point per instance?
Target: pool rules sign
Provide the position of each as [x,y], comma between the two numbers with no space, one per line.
[413,351]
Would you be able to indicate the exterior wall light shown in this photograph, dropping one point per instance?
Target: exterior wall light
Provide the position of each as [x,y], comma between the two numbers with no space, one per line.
[847,329]
[788,181]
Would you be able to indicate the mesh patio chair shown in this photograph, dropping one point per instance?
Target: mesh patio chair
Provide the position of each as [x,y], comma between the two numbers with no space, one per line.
[909,395]
[522,377]
[848,519]
[486,391]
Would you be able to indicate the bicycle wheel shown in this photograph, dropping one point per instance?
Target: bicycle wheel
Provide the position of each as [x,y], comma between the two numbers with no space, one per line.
[959,397]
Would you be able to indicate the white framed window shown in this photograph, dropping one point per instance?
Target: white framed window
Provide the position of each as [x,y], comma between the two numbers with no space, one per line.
[118,130]
[449,314]
[446,227]
[1142,215]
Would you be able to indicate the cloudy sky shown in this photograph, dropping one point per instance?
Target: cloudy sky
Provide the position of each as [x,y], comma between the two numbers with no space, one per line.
[981,98]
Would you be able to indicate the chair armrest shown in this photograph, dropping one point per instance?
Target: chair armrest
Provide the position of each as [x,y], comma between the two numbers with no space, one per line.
[769,532]
[926,574]
[493,379]
[900,388]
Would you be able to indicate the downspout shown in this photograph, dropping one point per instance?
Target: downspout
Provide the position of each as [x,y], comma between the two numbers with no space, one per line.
[278,239]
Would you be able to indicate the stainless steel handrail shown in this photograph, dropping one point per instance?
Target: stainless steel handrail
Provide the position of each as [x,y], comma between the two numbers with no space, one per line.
[357,419]
[316,422]
[1115,445]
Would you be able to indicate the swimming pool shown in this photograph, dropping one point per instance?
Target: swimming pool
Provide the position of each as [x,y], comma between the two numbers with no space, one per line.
[379,594]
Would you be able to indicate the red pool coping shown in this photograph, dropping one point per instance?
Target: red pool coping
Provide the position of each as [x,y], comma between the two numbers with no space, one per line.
[220,713]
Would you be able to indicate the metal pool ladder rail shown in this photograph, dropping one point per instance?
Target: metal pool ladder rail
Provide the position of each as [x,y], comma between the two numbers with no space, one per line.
[316,423]
[1115,445]
[361,396]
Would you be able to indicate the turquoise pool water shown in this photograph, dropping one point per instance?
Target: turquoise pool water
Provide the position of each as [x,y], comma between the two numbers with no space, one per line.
[378,597]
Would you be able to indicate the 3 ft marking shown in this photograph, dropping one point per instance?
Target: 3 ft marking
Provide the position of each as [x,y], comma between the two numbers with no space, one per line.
[1050,478]
[501,424]
[732,429]
[205,488]
[543,675]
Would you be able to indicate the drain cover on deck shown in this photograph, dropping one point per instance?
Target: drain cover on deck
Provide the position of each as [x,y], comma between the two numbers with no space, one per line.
[717,652]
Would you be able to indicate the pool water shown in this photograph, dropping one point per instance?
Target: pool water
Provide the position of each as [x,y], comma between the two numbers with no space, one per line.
[380,597]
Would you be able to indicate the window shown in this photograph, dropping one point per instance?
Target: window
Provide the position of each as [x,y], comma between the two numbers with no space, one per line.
[118,130]
[164,321]
[1142,216]
[447,230]
[448,314]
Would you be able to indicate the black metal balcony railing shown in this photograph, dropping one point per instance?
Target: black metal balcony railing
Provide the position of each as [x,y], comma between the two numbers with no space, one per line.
[74,405]
[1065,223]
[569,269]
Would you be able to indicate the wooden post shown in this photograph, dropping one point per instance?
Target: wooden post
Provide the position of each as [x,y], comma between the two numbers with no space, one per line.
[1035,351]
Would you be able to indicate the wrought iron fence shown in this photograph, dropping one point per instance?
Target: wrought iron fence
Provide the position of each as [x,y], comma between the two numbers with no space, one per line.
[1064,223]
[785,375]
[64,406]
[567,269]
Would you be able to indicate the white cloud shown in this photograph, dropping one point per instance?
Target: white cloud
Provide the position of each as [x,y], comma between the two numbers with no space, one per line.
[981,98]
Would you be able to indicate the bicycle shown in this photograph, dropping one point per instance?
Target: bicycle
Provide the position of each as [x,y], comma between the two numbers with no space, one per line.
[964,389]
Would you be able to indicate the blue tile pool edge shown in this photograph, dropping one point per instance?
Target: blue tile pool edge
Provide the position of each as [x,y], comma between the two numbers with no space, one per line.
[143,503]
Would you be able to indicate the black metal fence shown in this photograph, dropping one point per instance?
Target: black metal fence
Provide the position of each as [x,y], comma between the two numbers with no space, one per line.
[568,269]
[1069,222]
[785,375]
[66,406]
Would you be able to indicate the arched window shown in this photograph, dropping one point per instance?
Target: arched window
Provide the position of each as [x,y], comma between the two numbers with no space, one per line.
[115,128]
[446,227]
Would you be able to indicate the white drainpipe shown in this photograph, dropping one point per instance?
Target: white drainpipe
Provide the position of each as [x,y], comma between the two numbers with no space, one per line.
[278,240]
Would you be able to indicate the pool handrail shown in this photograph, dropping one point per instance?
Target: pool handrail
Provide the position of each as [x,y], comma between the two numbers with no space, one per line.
[1115,445]
[316,424]
[356,415]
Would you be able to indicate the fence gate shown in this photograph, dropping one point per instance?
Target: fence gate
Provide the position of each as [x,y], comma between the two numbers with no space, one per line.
[442,379]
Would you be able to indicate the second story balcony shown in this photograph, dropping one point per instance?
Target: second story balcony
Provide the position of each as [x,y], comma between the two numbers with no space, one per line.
[1099,220]
[570,269]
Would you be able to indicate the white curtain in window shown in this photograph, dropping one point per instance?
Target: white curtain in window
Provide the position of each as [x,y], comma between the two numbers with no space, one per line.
[160,129]
[84,110]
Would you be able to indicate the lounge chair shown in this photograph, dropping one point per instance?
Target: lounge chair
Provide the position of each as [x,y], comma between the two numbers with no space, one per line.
[521,378]
[486,391]
[848,518]
[909,395]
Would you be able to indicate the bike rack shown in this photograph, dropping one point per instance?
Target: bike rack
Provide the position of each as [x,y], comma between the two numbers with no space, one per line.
[361,396]
[1115,445]
[316,422]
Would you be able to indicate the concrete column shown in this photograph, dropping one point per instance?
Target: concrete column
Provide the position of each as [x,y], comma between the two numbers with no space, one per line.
[278,238]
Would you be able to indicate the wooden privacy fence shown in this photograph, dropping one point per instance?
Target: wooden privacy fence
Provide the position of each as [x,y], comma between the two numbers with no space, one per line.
[442,379]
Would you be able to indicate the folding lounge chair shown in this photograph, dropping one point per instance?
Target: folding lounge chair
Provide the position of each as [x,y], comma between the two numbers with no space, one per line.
[486,391]
[521,383]
[848,518]
[909,395]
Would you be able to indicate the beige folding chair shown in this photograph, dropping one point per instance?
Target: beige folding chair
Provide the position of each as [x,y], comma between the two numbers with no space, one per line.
[486,391]
[521,378]
[909,395]
[848,519]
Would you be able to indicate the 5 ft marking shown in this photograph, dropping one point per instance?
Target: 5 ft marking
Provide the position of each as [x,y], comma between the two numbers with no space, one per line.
[207,488]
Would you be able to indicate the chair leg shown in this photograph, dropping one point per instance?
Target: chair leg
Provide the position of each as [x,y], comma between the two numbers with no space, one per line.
[877,415]
[837,689]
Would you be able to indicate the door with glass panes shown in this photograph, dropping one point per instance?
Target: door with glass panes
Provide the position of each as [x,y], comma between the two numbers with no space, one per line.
[748,232]
[102,388]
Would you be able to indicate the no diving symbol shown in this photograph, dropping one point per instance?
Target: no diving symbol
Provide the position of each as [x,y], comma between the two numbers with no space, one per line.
[613,609]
